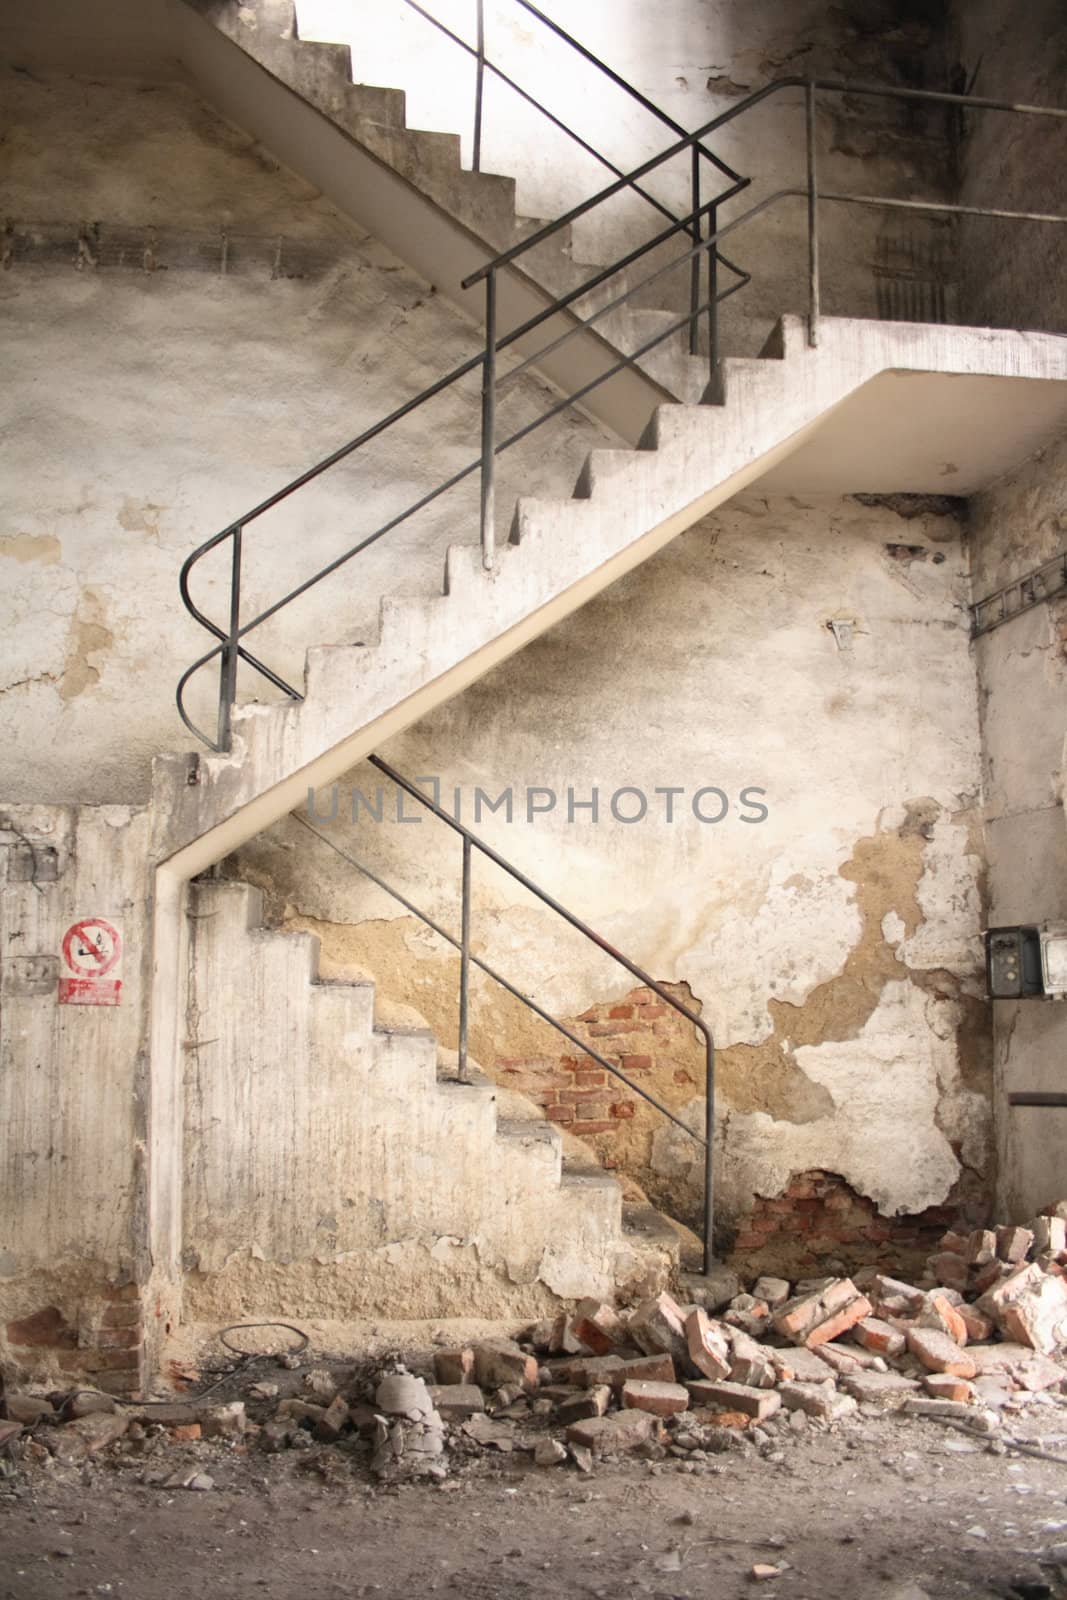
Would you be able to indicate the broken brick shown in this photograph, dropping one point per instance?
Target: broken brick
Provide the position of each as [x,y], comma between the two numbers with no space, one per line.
[888,1391]
[938,1353]
[598,1326]
[880,1337]
[940,1314]
[453,1366]
[1013,1244]
[500,1361]
[658,1326]
[605,1436]
[814,1318]
[943,1386]
[709,1349]
[758,1403]
[661,1399]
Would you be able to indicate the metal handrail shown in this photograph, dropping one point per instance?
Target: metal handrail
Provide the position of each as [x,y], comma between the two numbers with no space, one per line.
[699,149]
[229,647]
[810,85]
[471,842]
[485,64]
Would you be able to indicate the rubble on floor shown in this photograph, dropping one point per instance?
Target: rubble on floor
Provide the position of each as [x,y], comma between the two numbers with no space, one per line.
[670,1382]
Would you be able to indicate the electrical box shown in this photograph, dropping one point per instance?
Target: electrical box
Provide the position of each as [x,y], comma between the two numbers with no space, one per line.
[1054,959]
[1013,963]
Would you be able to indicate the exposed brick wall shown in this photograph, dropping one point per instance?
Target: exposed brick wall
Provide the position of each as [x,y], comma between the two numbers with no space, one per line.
[639,1034]
[819,1218]
[104,1347]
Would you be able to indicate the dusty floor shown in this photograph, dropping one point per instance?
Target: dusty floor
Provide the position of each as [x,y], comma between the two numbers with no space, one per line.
[883,1507]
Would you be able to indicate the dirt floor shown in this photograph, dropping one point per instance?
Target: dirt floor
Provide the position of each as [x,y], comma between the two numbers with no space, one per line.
[874,1506]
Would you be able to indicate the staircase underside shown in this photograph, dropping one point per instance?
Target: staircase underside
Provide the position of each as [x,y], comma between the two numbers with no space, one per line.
[177,40]
[878,407]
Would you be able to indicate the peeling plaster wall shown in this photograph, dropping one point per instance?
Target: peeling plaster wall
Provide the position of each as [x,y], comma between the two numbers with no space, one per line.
[1022,667]
[696,61]
[834,946]
[142,411]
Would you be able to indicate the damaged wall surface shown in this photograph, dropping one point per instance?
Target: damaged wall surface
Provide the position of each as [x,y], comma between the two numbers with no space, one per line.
[73,1092]
[225,376]
[833,945]
[1022,667]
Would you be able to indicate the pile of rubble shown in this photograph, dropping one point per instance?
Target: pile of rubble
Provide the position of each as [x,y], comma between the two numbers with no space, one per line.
[982,1331]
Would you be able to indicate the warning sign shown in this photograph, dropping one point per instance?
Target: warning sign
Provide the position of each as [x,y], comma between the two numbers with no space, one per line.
[92,955]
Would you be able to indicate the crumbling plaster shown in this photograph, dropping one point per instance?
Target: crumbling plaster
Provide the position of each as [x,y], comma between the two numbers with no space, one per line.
[714,664]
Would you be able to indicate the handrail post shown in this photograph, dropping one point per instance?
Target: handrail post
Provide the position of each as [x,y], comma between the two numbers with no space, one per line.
[813,216]
[479,88]
[713,295]
[709,1152]
[489,426]
[465,962]
[231,652]
[694,265]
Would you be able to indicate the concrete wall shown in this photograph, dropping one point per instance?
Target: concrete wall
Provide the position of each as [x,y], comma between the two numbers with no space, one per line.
[145,409]
[1013,275]
[696,61]
[1022,668]
[833,946]
[72,1093]
[1012,272]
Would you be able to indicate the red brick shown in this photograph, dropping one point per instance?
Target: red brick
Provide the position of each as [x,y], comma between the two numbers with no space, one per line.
[621,1011]
[587,1079]
[592,1015]
[596,1127]
[653,1011]
[623,1110]
[607,1030]
[636,1063]
[45,1329]
[560,1114]
[642,997]
[938,1353]
[120,1316]
[118,1338]
[592,1111]
[681,1076]
[574,1097]
[661,1399]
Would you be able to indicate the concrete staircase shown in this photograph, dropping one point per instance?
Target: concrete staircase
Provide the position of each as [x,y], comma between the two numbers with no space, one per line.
[415,1194]
[865,409]
[483,204]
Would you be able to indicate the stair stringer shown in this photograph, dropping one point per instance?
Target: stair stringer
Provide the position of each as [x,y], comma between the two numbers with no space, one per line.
[330,1174]
[628,505]
[381,176]
[482,202]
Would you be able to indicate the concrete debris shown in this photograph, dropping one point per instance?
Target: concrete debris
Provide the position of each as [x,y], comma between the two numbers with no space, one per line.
[670,1380]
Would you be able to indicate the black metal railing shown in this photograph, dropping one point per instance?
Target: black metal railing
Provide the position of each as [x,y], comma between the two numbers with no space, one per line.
[704,232]
[467,959]
[698,151]
[230,649]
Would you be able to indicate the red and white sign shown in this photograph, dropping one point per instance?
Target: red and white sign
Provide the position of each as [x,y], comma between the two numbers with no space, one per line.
[92,954]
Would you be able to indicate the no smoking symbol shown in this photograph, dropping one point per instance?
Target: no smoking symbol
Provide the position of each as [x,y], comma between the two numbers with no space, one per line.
[91,950]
